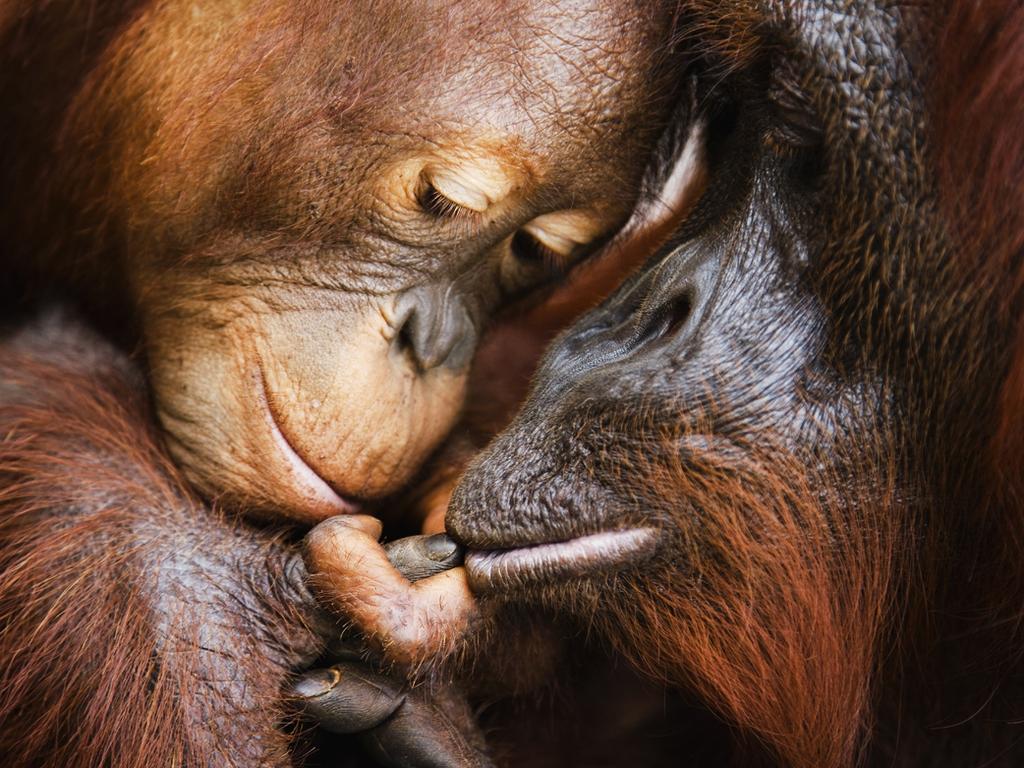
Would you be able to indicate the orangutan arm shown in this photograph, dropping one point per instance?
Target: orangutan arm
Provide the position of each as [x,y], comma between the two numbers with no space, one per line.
[137,626]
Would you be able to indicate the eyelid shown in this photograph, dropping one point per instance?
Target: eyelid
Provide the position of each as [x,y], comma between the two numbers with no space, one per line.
[563,231]
[457,192]
[437,204]
[475,186]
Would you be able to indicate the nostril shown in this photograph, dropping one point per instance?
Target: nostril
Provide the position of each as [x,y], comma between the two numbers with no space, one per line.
[406,341]
[666,321]
[435,330]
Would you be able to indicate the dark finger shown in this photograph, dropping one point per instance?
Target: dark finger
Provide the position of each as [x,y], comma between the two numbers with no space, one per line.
[424,734]
[347,698]
[419,557]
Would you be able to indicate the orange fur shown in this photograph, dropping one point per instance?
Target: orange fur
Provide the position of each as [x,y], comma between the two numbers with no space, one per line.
[780,615]
[105,661]
[979,87]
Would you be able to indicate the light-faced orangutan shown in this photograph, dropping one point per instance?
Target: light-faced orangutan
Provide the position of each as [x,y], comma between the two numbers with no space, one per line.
[781,469]
[317,189]
[289,223]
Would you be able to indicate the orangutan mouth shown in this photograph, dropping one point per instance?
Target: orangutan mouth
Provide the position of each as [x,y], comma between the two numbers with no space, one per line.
[317,491]
[561,560]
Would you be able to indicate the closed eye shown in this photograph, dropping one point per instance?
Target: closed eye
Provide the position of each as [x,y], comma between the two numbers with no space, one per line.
[796,123]
[529,249]
[436,204]
[548,246]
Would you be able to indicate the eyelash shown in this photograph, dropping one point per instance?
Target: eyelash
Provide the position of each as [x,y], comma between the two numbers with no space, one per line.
[525,247]
[436,204]
[529,249]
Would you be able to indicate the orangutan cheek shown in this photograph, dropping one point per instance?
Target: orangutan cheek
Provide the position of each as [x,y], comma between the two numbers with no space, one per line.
[302,412]
[352,406]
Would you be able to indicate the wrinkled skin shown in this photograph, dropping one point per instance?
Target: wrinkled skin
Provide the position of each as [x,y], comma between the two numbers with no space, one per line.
[295,221]
[760,467]
[399,724]
[314,218]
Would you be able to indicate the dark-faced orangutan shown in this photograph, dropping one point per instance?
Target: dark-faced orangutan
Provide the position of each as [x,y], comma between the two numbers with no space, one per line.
[289,223]
[782,468]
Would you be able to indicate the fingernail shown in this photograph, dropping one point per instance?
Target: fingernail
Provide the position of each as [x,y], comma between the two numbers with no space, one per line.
[317,683]
[440,547]
[371,526]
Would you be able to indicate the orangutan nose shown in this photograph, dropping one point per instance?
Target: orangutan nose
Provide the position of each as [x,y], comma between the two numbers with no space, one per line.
[435,328]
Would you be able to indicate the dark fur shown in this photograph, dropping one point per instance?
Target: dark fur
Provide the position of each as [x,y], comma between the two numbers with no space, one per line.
[830,446]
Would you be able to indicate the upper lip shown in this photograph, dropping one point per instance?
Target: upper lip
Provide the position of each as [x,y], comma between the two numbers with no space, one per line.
[315,487]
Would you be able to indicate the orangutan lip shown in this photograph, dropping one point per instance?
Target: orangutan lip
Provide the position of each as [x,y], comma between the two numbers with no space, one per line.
[317,489]
[605,551]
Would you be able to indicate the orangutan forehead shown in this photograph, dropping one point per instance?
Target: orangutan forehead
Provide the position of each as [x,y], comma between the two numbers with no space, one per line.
[514,65]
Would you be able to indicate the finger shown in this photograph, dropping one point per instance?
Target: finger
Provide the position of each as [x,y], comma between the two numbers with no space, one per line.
[425,733]
[418,557]
[407,622]
[351,571]
[347,698]
[293,577]
[369,525]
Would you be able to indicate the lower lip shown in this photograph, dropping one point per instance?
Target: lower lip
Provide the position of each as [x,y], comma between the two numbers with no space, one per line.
[584,556]
[323,500]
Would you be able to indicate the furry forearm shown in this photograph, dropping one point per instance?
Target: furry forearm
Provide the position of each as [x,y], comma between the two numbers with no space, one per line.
[136,624]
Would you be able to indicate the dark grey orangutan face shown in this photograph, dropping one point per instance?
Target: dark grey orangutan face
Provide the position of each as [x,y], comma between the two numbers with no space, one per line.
[779,341]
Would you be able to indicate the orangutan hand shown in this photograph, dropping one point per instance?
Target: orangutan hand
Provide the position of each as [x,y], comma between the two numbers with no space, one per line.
[409,600]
